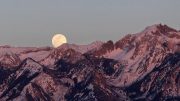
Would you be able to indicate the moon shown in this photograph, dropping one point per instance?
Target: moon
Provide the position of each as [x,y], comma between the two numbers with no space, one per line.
[58,40]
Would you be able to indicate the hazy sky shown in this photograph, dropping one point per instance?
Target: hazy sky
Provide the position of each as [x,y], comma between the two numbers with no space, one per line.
[33,22]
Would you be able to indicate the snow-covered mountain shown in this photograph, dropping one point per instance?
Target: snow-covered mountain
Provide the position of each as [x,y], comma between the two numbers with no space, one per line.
[45,55]
[141,66]
[141,52]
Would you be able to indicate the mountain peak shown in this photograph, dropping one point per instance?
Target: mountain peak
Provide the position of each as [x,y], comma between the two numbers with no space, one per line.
[158,29]
[9,59]
[31,64]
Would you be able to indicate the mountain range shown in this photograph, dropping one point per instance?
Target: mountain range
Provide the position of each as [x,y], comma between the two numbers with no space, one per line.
[139,67]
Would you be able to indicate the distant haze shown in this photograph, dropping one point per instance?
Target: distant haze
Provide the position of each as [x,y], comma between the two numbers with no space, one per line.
[33,22]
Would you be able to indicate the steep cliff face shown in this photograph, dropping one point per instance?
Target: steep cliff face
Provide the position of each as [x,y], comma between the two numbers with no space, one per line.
[142,66]
[162,83]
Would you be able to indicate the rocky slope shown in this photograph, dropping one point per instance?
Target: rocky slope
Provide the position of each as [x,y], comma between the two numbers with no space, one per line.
[142,66]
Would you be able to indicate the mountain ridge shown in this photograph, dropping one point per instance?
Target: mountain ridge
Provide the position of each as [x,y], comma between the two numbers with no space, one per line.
[137,67]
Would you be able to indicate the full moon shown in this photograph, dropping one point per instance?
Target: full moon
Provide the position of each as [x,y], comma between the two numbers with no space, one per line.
[58,40]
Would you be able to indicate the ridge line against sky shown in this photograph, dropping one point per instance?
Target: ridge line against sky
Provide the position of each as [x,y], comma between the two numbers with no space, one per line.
[33,22]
